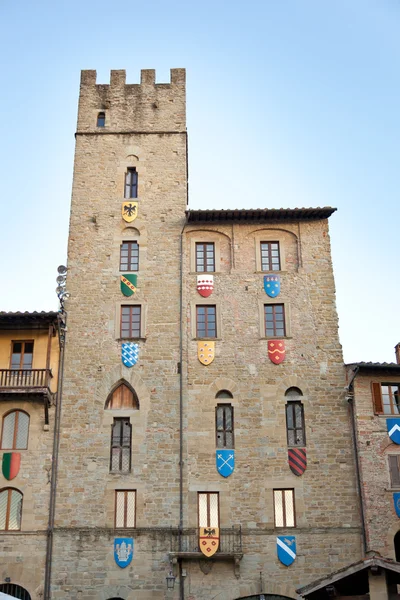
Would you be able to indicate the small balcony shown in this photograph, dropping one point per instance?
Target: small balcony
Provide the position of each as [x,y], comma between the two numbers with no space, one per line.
[185,545]
[27,384]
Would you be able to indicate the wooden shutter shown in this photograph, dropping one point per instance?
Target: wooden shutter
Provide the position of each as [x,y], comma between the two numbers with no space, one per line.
[394,470]
[377,397]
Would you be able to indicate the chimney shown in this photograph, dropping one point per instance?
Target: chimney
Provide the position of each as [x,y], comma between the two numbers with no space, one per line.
[397,352]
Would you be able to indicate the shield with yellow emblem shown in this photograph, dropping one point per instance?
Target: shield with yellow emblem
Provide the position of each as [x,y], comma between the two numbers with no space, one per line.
[276,351]
[205,352]
[208,540]
[128,284]
[130,211]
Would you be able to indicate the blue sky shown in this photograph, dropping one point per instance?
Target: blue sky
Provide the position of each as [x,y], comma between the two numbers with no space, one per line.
[290,103]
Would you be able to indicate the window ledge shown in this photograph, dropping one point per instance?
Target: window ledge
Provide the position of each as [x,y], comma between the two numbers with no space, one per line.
[270,272]
[284,337]
[131,339]
[393,489]
[119,472]
[196,339]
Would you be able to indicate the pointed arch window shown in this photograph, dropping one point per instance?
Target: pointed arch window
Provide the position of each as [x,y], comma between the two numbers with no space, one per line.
[295,425]
[123,397]
[10,509]
[101,119]
[15,431]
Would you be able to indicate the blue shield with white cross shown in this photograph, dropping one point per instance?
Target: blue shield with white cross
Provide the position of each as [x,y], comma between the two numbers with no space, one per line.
[225,462]
[130,354]
[396,501]
[393,427]
[272,285]
[123,551]
[286,549]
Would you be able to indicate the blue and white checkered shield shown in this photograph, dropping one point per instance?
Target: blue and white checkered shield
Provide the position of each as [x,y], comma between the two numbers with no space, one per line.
[130,354]
[393,427]
[225,462]
[286,549]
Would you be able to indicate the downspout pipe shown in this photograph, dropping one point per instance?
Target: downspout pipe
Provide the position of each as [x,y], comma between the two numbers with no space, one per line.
[350,399]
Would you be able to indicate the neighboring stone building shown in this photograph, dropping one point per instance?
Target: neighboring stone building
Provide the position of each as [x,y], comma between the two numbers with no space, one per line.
[29,356]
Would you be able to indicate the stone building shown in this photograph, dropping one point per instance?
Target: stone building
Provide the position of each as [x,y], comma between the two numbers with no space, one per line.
[29,357]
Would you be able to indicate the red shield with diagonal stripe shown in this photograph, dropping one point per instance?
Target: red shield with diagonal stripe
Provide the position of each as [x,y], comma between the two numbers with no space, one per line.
[297,460]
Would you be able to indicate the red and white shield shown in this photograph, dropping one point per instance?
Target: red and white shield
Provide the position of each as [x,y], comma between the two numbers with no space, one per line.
[276,351]
[205,285]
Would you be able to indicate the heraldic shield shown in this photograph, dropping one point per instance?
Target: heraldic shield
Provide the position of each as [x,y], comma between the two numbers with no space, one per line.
[297,460]
[393,427]
[276,351]
[205,285]
[225,462]
[286,549]
[128,284]
[209,540]
[130,211]
[123,551]
[11,464]
[205,352]
[272,285]
[129,353]
[396,501]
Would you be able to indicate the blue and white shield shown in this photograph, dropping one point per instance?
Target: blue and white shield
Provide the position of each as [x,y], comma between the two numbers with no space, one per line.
[272,285]
[225,462]
[286,548]
[130,354]
[123,551]
[393,427]
[396,501]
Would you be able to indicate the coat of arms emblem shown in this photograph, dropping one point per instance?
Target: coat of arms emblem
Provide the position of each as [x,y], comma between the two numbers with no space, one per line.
[123,551]
[286,549]
[129,353]
[10,465]
[205,285]
[128,284]
[297,460]
[206,352]
[225,460]
[209,540]
[396,501]
[393,427]
[276,351]
[130,211]
[272,285]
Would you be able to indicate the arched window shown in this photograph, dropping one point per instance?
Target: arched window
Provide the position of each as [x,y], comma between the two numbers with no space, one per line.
[10,509]
[15,591]
[131,183]
[101,119]
[223,394]
[15,431]
[122,397]
[295,426]
[397,546]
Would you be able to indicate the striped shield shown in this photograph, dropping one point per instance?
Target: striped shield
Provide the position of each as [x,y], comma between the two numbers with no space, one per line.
[297,460]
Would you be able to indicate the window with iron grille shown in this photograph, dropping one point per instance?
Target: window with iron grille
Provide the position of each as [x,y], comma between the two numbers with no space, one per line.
[206,325]
[296,435]
[122,397]
[121,444]
[15,431]
[274,320]
[270,256]
[284,509]
[205,257]
[125,508]
[208,509]
[129,256]
[101,119]
[22,355]
[224,426]
[15,591]
[10,509]
[130,321]
[394,468]
[386,398]
[131,183]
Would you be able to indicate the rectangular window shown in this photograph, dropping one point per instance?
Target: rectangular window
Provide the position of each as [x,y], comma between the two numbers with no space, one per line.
[224,426]
[284,508]
[296,435]
[270,257]
[131,183]
[208,509]
[22,355]
[129,256]
[130,321]
[125,508]
[394,468]
[205,257]
[274,320]
[121,441]
[390,398]
[206,324]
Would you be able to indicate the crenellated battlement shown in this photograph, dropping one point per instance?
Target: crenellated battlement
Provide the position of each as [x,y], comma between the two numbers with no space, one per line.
[148,106]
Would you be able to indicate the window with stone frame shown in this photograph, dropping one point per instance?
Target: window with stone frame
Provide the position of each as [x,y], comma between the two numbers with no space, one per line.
[129,256]
[131,321]
[270,256]
[208,509]
[274,315]
[224,426]
[15,430]
[10,509]
[386,398]
[284,508]
[295,424]
[101,119]
[131,183]
[205,257]
[125,508]
[394,470]
[121,445]
[206,321]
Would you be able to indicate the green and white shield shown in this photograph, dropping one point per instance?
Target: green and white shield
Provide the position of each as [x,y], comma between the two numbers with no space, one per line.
[128,284]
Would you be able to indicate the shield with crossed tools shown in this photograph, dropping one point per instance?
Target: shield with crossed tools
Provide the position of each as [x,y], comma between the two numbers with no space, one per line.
[225,460]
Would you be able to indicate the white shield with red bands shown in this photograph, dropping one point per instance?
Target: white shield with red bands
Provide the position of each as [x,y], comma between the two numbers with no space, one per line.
[205,285]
